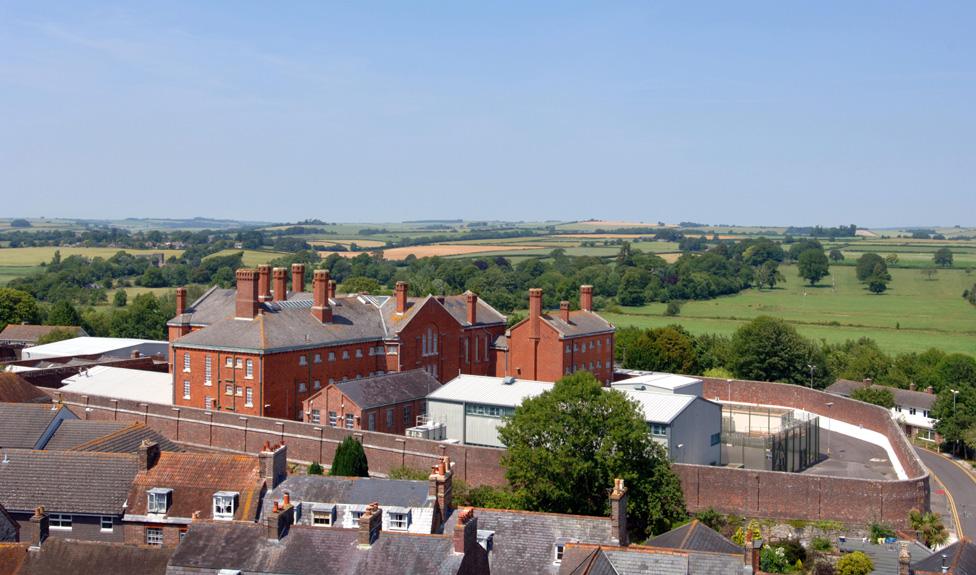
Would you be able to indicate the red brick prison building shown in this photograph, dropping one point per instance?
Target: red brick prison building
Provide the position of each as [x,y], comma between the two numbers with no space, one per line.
[261,349]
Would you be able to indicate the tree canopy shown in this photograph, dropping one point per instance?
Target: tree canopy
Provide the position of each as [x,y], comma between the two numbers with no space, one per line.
[350,459]
[813,265]
[876,395]
[17,307]
[943,257]
[769,349]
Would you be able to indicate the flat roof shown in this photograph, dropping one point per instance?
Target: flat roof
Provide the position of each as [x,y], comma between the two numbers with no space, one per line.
[86,346]
[489,390]
[662,380]
[659,407]
[122,383]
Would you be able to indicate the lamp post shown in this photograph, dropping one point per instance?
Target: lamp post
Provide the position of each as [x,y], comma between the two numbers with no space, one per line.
[729,383]
[829,405]
[955,447]
[813,368]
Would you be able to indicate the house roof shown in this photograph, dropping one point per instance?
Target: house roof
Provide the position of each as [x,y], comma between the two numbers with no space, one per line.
[637,560]
[21,333]
[350,491]
[66,481]
[524,541]
[106,437]
[457,306]
[15,389]
[580,323]
[903,397]
[960,558]
[489,390]
[59,556]
[23,424]
[387,389]
[695,536]
[122,383]
[659,407]
[12,556]
[304,550]
[194,478]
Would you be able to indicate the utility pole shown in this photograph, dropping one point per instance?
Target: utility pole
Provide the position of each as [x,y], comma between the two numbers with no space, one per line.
[813,368]
[955,448]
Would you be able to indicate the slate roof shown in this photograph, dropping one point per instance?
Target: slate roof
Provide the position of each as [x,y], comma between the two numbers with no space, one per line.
[580,323]
[457,306]
[388,389]
[15,389]
[194,478]
[59,556]
[19,333]
[640,560]
[351,491]
[305,550]
[214,305]
[960,558]
[23,424]
[695,536]
[66,481]
[903,397]
[525,541]
[106,437]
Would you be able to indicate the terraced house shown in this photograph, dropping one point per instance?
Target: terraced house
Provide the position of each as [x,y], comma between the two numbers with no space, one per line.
[261,349]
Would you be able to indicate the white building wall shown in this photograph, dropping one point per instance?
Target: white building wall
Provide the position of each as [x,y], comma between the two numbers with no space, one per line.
[450,414]
[482,430]
[693,429]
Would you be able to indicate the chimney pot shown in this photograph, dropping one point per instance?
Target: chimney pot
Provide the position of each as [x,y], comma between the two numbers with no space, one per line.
[286,501]
[370,525]
[466,531]
[297,277]
[332,289]
[564,311]
[471,304]
[321,309]
[40,527]
[535,312]
[148,454]
[618,513]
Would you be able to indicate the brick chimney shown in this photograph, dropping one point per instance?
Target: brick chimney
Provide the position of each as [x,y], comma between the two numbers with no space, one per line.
[180,300]
[264,282]
[401,296]
[618,513]
[148,454]
[564,311]
[40,528]
[279,287]
[282,516]
[929,390]
[247,294]
[586,298]
[904,559]
[442,490]
[535,312]
[466,531]
[370,525]
[297,277]
[912,386]
[471,305]
[321,309]
[753,551]
[273,460]
[332,288]
[136,354]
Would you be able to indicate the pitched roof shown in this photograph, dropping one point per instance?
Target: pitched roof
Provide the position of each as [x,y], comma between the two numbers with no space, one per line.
[194,478]
[524,541]
[659,407]
[580,323]
[15,389]
[903,397]
[304,550]
[66,481]
[23,424]
[59,556]
[960,559]
[350,491]
[695,536]
[31,333]
[214,305]
[388,389]
[457,306]
[638,560]
[12,555]
[106,437]
[490,390]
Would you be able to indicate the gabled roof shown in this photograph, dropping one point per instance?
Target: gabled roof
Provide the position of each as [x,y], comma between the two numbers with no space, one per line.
[350,491]
[583,559]
[903,397]
[695,536]
[214,305]
[20,333]
[960,558]
[194,478]
[59,556]
[15,389]
[66,481]
[457,306]
[580,323]
[106,437]
[306,550]
[22,425]
[387,389]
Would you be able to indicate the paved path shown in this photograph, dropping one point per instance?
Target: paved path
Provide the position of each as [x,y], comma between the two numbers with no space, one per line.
[960,485]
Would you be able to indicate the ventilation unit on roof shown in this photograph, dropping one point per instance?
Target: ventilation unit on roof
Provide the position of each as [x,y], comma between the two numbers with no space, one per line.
[508,380]
[640,387]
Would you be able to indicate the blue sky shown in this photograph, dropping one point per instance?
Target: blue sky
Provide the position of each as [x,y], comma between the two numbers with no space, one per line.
[725,112]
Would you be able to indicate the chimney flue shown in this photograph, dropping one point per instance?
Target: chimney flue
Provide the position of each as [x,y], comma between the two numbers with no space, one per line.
[264,282]
[564,311]
[279,288]
[180,300]
[40,525]
[370,525]
[535,311]
[321,309]
[471,303]
[466,531]
[332,289]
[586,298]
[148,454]
[297,277]
[401,296]
[247,294]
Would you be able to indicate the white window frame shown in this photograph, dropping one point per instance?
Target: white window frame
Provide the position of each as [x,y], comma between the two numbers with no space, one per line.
[389,418]
[371,421]
[239,363]
[558,553]
[106,520]
[207,370]
[229,362]
[331,356]
[345,354]
[399,521]
[60,521]
[249,397]
[333,419]
[315,416]
[350,421]
[154,536]
[302,388]
[186,389]
[323,518]
[302,360]
[317,384]
[186,361]
[249,371]
[154,497]
[359,353]
[318,358]
[224,505]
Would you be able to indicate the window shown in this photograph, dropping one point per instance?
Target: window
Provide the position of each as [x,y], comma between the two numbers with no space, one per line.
[332,418]
[238,363]
[407,414]
[208,402]
[331,356]
[911,411]
[715,439]
[925,413]
[106,523]
[316,384]
[659,429]
[186,389]
[350,420]
[301,387]
[359,353]
[488,410]
[158,500]
[59,521]
[399,521]
[467,359]
[599,364]
[345,354]
[318,358]
[591,366]
[898,408]
[559,552]
[207,370]
[591,344]
[249,397]
[567,348]
[331,381]
[154,536]
[229,362]
[249,372]
[389,418]
[356,515]
[182,535]
[608,342]
[323,518]
[599,343]
[371,421]
[228,389]
[315,416]
[302,360]
[223,505]
[238,391]
[575,347]
[186,362]
[477,350]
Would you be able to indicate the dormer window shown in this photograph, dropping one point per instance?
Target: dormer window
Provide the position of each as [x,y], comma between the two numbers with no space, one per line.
[560,547]
[158,501]
[323,515]
[399,520]
[224,503]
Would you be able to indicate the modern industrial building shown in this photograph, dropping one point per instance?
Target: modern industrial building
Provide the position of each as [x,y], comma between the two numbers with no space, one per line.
[122,383]
[107,346]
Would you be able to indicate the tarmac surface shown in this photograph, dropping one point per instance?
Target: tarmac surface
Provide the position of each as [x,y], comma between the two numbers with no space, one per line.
[960,485]
[850,457]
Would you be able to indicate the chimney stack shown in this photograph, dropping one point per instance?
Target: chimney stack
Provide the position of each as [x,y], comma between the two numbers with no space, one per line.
[753,551]
[929,390]
[471,303]
[442,491]
[279,288]
[180,300]
[904,559]
[401,296]
[273,461]
[297,277]
[148,454]
[136,354]
[586,298]
[264,282]
[618,513]
[466,531]
[535,312]
[321,309]
[280,519]
[564,311]
[332,288]
[40,527]
[247,294]
[370,525]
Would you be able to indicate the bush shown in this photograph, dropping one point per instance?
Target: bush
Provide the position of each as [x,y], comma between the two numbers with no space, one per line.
[408,473]
[673,309]
[773,560]
[350,460]
[793,550]
[120,298]
[856,563]
[315,468]
[880,531]
[711,518]
[821,544]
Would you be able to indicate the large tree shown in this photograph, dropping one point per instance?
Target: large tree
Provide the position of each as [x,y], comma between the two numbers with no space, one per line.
[566,446]
[813,265]
[769,349]
[17,307]
[876,395]
[350,459]
[943,257]
[670,349]
[63,313]
[867,266]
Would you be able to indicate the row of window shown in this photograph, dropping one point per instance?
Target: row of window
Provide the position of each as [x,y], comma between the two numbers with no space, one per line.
[573,368]
[488,410]
[480,345]
[593,344]
[159,500]
[428,342]
[233,390]
[327,518]
[912,411]
[63,522]
[237,363]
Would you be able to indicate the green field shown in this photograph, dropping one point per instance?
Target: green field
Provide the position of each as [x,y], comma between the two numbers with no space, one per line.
[913,315]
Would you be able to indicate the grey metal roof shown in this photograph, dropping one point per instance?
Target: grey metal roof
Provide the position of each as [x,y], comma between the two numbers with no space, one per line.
[388,389]
[490,390]
[66,481]
[23,424]
[903,397]
[306,550]
[350,491]
[658,407]
[695,536]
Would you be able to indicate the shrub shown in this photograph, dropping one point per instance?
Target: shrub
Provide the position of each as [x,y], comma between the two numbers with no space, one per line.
[856,563]
[314,468]
[773,560]
[793,550]
[711,518]
[408,473]
[120,298]
[880,531]
[821,544]
[673,309]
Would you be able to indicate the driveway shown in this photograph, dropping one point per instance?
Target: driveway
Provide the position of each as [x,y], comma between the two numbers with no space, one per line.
[959,483]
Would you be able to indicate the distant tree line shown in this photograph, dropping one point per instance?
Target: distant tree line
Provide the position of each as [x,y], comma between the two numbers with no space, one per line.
[822,232]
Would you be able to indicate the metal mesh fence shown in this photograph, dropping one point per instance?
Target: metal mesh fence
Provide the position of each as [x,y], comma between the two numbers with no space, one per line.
[769,439]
